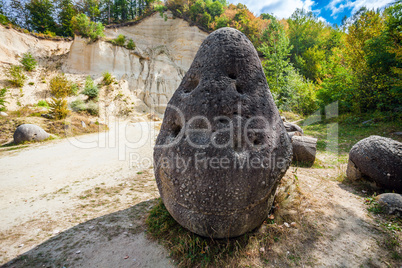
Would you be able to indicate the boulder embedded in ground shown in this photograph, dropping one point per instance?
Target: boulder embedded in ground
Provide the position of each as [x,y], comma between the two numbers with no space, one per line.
[222,148]
[304,149]
[29,132]
[3,114]
[378,159]
[391,202]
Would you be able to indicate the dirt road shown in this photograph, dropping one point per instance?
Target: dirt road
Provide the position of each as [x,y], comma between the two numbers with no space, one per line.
[82,203]
[45,183]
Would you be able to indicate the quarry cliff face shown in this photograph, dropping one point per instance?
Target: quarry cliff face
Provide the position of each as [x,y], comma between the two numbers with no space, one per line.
[164,52]
[14,44]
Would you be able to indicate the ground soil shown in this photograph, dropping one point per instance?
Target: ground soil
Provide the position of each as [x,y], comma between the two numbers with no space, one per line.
[74,203]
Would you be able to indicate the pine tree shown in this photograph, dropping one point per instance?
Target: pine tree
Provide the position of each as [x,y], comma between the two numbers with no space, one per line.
[41,15]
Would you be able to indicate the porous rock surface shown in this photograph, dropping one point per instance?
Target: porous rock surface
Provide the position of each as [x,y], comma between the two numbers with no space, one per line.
[215,178]
[29,132]
[378,159]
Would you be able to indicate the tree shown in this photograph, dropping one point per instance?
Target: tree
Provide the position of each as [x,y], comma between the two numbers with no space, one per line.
[41,15]
[90,8]
[276,48]
[215,9]
[19,14]
[84,26]
[67,12]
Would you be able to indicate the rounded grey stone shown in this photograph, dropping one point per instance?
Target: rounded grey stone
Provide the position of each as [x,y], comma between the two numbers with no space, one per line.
[392,203]
[29,132]
[378,159]
[223,147]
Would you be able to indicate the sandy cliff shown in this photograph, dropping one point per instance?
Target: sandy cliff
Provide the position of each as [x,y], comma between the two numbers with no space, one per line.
[13,44]
[164,52]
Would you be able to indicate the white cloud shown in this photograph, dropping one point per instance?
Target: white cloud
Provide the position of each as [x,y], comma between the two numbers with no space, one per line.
[338,6]
[323,20]
[280,8]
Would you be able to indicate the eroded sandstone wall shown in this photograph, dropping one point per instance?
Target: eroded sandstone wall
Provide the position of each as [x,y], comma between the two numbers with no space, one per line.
[164,52]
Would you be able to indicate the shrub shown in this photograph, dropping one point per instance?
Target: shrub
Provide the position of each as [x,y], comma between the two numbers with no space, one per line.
[130,44]
[120,40]
[28,61]
[82,25]
[17,78]
[78,105]
[107,78]
[90,90]
[4,20]
[60,87]
[49,33]
[93,108]
[59,108]
[75,89]
[43,103]
[3,101]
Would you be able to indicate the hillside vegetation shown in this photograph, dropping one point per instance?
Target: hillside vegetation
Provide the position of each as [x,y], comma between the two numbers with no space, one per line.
[308,64]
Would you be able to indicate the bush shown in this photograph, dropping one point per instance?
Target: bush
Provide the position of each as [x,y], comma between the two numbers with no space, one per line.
[17,78]
[93,108]
[75,89]
[90,90]
[78,105]
[43,103]
[4,20]
[82,25]
[49,33]
[59,108]
[120,40]
[131,45]
[3,101]
[60,87]
[28,61]
[107,78]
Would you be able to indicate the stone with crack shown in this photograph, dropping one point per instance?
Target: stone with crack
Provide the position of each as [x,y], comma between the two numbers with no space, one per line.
[222,148]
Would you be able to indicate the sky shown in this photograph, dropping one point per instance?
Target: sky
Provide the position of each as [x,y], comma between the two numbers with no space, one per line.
[331,11]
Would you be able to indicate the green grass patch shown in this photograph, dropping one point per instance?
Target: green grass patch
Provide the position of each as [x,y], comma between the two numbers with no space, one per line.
[351,129]
[189,249]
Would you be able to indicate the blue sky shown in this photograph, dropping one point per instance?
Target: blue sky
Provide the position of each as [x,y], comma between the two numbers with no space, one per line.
[330,11]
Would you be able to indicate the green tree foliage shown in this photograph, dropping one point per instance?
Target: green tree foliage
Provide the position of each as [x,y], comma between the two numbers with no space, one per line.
[19,13]
[41,15]
[276,49]
[84,26]
[67,12]
[291,91]
[28,61]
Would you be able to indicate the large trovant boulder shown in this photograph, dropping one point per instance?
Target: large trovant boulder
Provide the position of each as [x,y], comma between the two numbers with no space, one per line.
[222,148]
[29,132]
[378,159]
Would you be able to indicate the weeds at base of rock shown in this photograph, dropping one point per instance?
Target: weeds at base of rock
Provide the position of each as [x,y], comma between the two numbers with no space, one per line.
[390,227]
